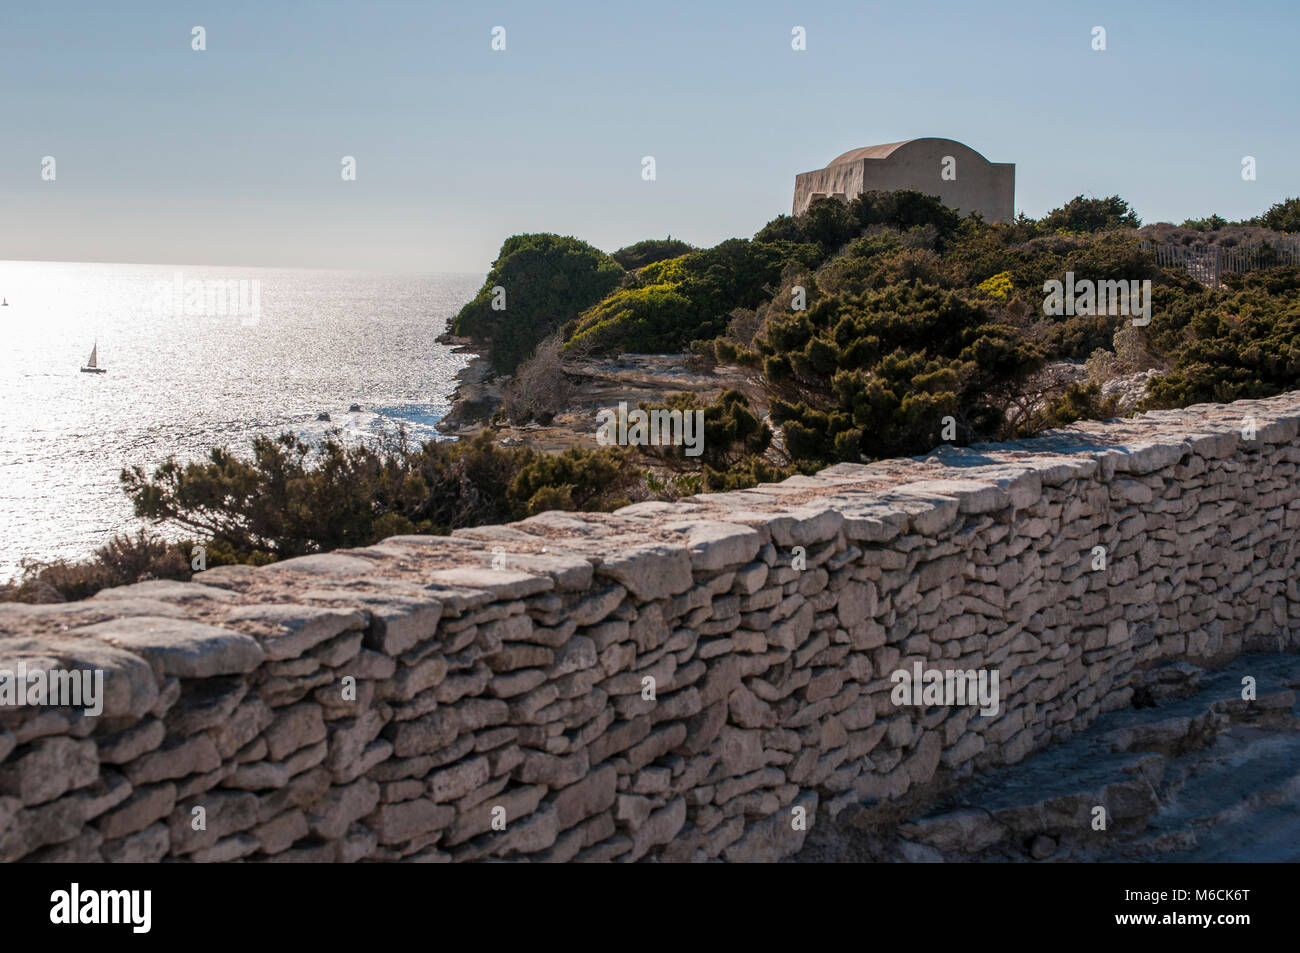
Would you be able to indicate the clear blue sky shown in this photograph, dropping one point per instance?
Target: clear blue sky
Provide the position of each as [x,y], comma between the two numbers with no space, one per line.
[232,156]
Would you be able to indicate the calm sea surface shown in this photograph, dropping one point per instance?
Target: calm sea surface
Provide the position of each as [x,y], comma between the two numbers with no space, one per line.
[180,383]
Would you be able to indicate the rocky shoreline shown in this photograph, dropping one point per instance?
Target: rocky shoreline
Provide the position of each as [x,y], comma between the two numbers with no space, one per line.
[473,388]
[596,383]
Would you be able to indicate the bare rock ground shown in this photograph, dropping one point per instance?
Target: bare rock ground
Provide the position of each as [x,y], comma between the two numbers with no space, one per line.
[1195,775]
[598,384]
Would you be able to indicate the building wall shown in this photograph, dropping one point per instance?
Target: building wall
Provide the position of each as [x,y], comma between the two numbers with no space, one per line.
[846,178]
[679,681]
[980,186]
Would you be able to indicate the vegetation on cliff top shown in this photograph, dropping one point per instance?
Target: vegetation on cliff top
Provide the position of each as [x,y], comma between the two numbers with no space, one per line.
[864,324]
[668,304]
[537,282]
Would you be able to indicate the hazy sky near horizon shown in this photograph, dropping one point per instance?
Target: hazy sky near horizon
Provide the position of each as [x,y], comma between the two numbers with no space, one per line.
[233,155]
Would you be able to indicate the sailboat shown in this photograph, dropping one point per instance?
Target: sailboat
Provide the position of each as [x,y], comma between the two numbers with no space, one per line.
[92,365]
[4,303]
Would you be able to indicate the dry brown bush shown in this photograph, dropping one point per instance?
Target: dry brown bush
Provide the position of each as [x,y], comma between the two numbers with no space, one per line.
[119,562]
[540,388]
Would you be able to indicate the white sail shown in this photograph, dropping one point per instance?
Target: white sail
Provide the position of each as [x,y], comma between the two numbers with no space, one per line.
[94,356]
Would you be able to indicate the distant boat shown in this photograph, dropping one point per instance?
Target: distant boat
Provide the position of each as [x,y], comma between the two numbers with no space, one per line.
[4,303]
[92,365]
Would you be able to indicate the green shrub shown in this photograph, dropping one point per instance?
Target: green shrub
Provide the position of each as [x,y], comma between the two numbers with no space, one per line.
[748,472]
[1079,402]
[1082,214]
[876,374]
[547,280]
[1282,217]
[828,224]
[906,209]
[577,479]
[650,251]
[290,499]
[1210,224]
[1245,344]
[641,320]
[679,300]
[732,432]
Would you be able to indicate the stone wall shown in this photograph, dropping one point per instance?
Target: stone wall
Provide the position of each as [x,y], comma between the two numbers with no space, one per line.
[392,702]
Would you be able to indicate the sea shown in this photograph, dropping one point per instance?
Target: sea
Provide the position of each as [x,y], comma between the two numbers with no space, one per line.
[196,357]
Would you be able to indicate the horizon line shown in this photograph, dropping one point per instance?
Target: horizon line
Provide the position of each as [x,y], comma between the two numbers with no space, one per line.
[193,264]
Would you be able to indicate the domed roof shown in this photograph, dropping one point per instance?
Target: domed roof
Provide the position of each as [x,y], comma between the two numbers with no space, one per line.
[869,152]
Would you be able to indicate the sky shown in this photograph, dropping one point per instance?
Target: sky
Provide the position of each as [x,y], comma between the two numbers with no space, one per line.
[233,155]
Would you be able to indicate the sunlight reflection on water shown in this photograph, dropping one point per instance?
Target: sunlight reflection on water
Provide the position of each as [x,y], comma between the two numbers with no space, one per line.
[178,384]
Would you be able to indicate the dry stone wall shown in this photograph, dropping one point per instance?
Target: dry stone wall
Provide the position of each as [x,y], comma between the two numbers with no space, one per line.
[696,680]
